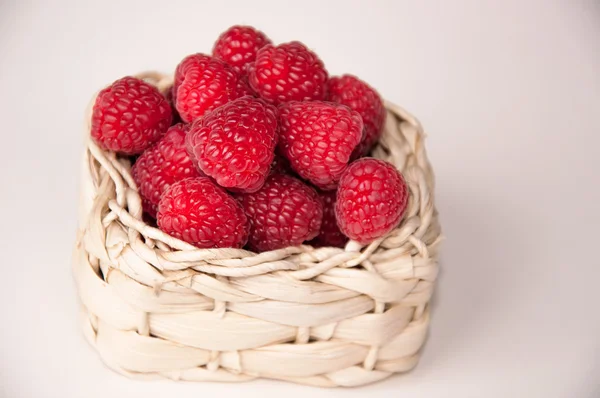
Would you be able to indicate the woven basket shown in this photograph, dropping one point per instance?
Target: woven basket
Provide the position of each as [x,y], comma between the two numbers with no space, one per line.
[155,306]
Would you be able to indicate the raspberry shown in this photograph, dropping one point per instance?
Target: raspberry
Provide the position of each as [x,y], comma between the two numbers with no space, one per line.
[161,165]
[203,83]
[129,116]
[288,72]
[201,213]
[284,212]
[359,96]
[235,143]
[238,46]
[330,234]
[318,138]
[372,198]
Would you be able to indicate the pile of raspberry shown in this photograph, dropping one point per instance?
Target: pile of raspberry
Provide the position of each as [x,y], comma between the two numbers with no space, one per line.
[255,146]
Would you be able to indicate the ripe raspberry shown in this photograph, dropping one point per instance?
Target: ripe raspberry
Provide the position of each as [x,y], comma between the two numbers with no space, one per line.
[129,116]
[318,138]
[371,199]
[288,72]
[284,212]
[199,212]
[161,165]
[235,143]
[330,234]
[238,46]
[203,83]
[359,96]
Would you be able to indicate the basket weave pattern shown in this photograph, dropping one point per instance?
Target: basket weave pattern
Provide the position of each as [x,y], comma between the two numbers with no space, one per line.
[155,306]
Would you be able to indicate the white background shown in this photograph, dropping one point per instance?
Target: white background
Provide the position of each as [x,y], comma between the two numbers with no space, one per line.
[509,93]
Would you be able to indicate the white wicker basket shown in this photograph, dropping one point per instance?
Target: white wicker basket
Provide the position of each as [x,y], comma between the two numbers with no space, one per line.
[155,306]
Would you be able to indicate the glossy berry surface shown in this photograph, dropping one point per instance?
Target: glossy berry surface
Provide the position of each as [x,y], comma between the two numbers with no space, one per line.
[235,143]
[372,198]
[203,83]
[203,214]
[129,115]
[161,165]
[359,96]
[284,212]
[238,46]
[318,138]
[288,72]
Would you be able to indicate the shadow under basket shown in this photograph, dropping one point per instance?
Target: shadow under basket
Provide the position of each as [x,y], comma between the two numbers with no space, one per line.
[157,307]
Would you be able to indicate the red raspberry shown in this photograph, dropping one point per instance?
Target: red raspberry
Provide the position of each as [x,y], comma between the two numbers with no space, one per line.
[203,83]
[238,46]
[235,143]
[284,212]
[288,72]
[359,96]
[161,165]
[129,116]
[330,234]
[199,212]
[371,199]
[318,138]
